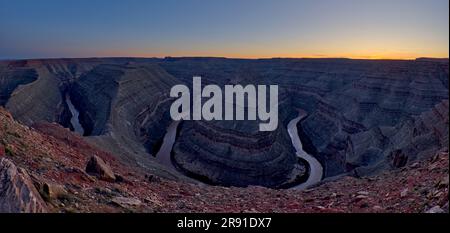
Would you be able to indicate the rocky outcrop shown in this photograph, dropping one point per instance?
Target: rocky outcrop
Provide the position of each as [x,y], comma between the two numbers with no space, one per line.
[96,166]
[11,78]
[53,191]
[393,147]
[126,202]
[40,97]
[17,193]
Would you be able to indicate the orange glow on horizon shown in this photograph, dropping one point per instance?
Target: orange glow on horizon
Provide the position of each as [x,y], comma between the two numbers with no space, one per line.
[373,56]
[376,49]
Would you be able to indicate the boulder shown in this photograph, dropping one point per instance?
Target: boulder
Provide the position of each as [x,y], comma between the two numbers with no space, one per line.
[96,166]
[53,191]
[126,202]
[365,193]
[17,192]
[435,210]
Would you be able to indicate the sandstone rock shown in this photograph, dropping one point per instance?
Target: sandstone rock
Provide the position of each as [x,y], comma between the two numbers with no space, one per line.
[105,192]
[53,191]
[377,208]
[435,210]
[96,166]
[126,202]
[365,193]
[359,198]
[17,193]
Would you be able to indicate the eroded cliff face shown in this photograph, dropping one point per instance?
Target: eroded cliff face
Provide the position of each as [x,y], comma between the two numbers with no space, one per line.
[11,78]
[34,89]
[123,102]
[125,108]
[382,148]
[363,116]
[383,96]
[348,102]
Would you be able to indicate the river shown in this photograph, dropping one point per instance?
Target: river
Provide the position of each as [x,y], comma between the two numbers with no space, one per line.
[163,155]
[315,173]
[74,120]
[316,169]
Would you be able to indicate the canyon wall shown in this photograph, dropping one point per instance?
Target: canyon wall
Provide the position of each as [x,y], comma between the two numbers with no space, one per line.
[364,116]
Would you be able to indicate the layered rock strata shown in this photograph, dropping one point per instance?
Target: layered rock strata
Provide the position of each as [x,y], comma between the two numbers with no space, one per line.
[363,116]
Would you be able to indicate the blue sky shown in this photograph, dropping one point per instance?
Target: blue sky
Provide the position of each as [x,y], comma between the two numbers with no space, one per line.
[232,28]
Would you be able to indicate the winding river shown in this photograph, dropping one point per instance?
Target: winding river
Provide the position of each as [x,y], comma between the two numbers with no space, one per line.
[74,120]
[316,169]
[315,173]
[163,155]
[164,158]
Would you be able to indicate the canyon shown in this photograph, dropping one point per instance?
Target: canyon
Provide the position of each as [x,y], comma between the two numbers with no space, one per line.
[48,168]
[364,117]
[212,108]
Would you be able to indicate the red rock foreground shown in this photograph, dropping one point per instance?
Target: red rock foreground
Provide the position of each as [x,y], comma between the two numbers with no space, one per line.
[44,170]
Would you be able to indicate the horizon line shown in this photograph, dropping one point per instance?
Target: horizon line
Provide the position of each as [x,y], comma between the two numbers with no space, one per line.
[227,57]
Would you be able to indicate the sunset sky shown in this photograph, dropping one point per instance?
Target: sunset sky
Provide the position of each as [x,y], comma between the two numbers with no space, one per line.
[402,29]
